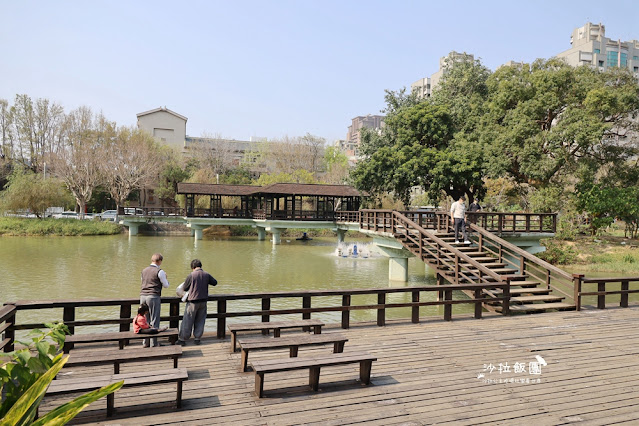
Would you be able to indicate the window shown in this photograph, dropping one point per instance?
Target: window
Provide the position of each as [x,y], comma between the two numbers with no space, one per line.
[601,63]
[597,51]
[624,60]
[635,58]
[636,69]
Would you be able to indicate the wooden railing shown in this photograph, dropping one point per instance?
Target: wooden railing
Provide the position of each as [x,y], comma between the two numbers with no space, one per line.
[526,263]
[223,301]
[602,291]
[500,222]
[150,211]
[448,261]
[7,321]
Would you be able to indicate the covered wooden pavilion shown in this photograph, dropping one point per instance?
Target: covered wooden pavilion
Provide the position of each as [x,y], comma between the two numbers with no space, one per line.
[278,201]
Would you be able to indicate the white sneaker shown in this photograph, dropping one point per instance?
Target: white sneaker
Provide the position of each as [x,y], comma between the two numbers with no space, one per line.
[456,242]
[466,242]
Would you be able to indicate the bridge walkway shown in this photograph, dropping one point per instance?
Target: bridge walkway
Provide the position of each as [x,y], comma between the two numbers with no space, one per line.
[487,259]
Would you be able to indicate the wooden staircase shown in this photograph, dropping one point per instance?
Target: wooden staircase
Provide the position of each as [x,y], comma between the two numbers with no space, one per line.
[527,293]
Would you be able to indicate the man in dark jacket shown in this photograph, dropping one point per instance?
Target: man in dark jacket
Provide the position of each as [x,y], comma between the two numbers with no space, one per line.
[154,279]
[197,285]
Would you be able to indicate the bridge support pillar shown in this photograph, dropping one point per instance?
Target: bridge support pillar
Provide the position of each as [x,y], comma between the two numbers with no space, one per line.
[133,228]
[398,269]
[341,234]
[277,235]
[261,234]
[197,230]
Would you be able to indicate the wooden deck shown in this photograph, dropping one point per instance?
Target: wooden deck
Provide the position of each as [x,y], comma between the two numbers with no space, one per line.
[426,373]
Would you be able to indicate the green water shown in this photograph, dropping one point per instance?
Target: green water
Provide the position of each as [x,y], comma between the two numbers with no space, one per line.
[108,267]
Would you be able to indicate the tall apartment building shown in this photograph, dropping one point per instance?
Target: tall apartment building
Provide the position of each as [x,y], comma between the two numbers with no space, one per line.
[424,86]
[354,137]
[590,46]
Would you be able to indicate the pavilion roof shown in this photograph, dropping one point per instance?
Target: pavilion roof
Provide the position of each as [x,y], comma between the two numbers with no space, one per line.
[216,189]
[272,189]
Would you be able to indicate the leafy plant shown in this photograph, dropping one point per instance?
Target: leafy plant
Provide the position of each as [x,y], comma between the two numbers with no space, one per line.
[25,379]
[557,253]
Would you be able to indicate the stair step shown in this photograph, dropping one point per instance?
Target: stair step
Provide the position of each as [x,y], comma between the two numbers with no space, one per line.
[538,307]
[524,283]
[505,271]
[519,291]
[490,265]
[483,259]
[536,298]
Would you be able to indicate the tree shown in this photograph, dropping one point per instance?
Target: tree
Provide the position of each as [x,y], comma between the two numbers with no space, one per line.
[131,161]
[175,169]
[26,190]
[548,120]
[298,176]
[216,153]
[79,156]
[336,164]
[36,128]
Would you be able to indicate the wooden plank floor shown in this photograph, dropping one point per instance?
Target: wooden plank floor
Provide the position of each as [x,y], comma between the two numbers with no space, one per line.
[426,373]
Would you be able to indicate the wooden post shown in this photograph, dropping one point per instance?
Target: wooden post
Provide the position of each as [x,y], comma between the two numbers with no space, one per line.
[381,312]
[10,332]
[505,310]
[480,242]
[457,269]
[68,315]
[527,223]
[576,283]
[266,306]
[174,313]
[522,264]
[448,308]
[415,309]
[125,312]
[221,320]
[601,299]
[346,314]
[306,304]
[478,307]
[625,285]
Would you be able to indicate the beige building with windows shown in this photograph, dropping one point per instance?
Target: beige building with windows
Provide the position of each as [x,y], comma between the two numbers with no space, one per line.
[167,126]
[591,47]
[424,86]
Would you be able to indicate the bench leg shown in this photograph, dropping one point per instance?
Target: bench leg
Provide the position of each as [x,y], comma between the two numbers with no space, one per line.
[233,340]
[365,372]
[110,404]
[277,332]
[178,398]
[245,354]
[338,347]
[67,347]
[294,350]
[259,384]
[318,329]
[175,362]
[116,368]
[313,378]
[121,343]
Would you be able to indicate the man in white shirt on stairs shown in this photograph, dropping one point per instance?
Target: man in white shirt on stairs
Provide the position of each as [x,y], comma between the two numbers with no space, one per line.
[458,216]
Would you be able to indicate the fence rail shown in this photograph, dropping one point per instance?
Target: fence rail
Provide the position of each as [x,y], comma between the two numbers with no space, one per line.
[223,304]
[602,291]
[7,321]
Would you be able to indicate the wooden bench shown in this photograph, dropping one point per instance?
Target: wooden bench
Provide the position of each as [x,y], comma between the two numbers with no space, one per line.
[151,377]
[314,364]
[117,357]
[276,326]
[292,342]
[118,336]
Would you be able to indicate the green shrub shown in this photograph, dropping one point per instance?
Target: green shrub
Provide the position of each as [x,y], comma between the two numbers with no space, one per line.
[66,227]
[557,253]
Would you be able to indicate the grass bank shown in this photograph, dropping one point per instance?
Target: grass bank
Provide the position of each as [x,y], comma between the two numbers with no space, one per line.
[606,253]
[17,226]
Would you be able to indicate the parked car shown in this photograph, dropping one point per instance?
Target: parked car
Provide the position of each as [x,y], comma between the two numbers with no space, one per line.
[133,211]
[156,213]
[67,215]
[109,215]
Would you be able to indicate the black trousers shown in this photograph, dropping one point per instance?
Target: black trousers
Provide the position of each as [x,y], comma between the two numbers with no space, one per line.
[460,224]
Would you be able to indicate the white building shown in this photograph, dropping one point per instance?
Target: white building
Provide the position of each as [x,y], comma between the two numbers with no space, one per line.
[591,47]
[424,86]
[167,126]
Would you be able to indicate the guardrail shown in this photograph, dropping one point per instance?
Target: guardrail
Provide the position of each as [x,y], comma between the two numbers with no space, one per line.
[222,313]
[500,222]
[602,291]
[7,320]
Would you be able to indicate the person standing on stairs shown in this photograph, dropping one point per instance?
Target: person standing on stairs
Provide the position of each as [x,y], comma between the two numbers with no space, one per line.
[458,216]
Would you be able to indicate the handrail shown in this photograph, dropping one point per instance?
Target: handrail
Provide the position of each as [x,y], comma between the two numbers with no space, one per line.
[601,292]
[7,335]
[306,309]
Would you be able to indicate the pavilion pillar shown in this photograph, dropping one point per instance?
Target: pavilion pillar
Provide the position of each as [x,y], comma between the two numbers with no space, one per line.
[277,235]
[133,228]
[398,269]
[261,233]
[341,234]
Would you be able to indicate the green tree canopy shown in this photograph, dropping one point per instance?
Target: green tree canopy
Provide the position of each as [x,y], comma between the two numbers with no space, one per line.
[26,190]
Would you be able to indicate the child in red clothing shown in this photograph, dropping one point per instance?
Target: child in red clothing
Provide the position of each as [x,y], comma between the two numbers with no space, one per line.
[140,323]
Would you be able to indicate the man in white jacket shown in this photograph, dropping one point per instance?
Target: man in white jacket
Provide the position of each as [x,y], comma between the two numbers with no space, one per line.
[458,216]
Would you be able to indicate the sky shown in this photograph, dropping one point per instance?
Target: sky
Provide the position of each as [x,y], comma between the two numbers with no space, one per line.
[241,69]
